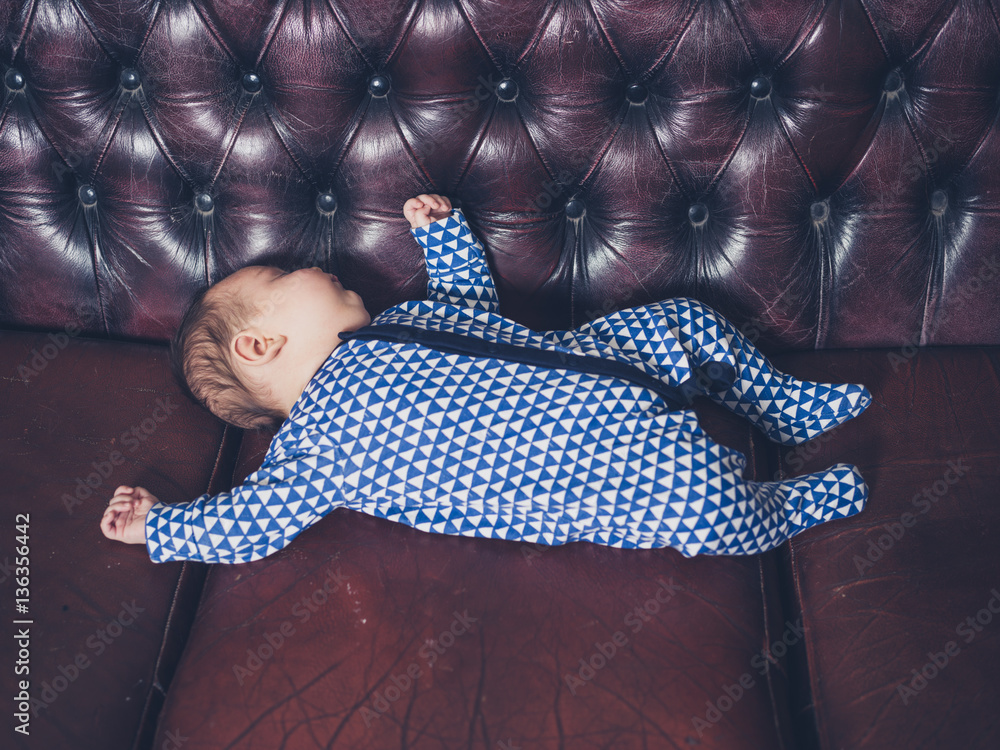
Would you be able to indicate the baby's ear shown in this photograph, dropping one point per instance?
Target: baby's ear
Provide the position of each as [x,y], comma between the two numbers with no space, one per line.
[251,347]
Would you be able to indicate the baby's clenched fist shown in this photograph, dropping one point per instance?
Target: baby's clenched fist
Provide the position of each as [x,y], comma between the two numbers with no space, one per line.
[425,209]
[125,518]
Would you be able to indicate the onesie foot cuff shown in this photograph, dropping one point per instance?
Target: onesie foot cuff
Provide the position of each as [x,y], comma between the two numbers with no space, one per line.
[838,492]
[802,410]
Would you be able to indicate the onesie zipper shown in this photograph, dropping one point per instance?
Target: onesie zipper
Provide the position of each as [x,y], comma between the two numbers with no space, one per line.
[675,397]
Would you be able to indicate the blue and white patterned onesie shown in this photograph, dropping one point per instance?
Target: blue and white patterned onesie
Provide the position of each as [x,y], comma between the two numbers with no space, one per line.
[446,416]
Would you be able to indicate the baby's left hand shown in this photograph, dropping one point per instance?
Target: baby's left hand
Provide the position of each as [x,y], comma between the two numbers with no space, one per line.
[425,209]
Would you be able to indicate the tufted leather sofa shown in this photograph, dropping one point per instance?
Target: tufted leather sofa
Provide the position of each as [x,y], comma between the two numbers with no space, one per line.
[824,173]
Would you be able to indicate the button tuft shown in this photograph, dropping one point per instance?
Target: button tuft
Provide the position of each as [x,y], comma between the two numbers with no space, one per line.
[326,203]
[507,90]
[636,93]
[893,82]
[698,214]
[760,87]
[129,79]
[88,196]
[575,208]
[251,83]
[14,80]
[820,211]
[939,202]
[379,85]
[204,203]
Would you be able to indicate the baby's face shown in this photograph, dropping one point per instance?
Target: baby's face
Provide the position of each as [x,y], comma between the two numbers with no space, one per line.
[307,306]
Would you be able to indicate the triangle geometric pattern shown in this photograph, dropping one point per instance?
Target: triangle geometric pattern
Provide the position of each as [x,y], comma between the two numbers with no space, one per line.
[788,410]
[456,263]
[474,445]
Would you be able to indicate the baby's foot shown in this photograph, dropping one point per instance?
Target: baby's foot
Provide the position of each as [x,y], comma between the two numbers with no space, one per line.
[786,508]
[806,409]
[792,411]
[838,492]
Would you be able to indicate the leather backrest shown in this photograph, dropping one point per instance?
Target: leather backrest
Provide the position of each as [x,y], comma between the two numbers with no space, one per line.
[824,173]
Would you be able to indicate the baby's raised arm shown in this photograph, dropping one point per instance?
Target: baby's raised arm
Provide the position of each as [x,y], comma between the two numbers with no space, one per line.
[125,518]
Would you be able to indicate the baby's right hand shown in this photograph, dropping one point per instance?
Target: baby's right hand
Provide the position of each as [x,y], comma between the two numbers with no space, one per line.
[125,518]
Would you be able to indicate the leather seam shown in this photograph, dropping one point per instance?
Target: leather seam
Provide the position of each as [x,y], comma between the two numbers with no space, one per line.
[185,572]
[767,640]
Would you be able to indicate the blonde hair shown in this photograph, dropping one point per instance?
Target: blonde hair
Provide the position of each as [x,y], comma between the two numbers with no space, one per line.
[201,363]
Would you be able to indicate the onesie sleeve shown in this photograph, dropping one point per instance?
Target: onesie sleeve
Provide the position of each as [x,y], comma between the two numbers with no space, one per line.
[456,264]
[251,521]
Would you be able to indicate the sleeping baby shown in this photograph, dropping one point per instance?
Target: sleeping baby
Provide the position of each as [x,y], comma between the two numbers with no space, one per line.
[446,416]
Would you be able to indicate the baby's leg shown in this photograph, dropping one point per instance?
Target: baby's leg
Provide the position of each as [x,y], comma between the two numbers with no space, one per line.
[766,514]
[702,505]
[788,410]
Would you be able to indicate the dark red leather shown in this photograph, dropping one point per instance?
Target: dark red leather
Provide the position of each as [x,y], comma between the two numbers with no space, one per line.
[266,668]
[822,173]
[108,626]
[882,595]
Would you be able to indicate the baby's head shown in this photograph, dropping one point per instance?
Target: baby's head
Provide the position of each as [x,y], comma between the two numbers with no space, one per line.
[249,344]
